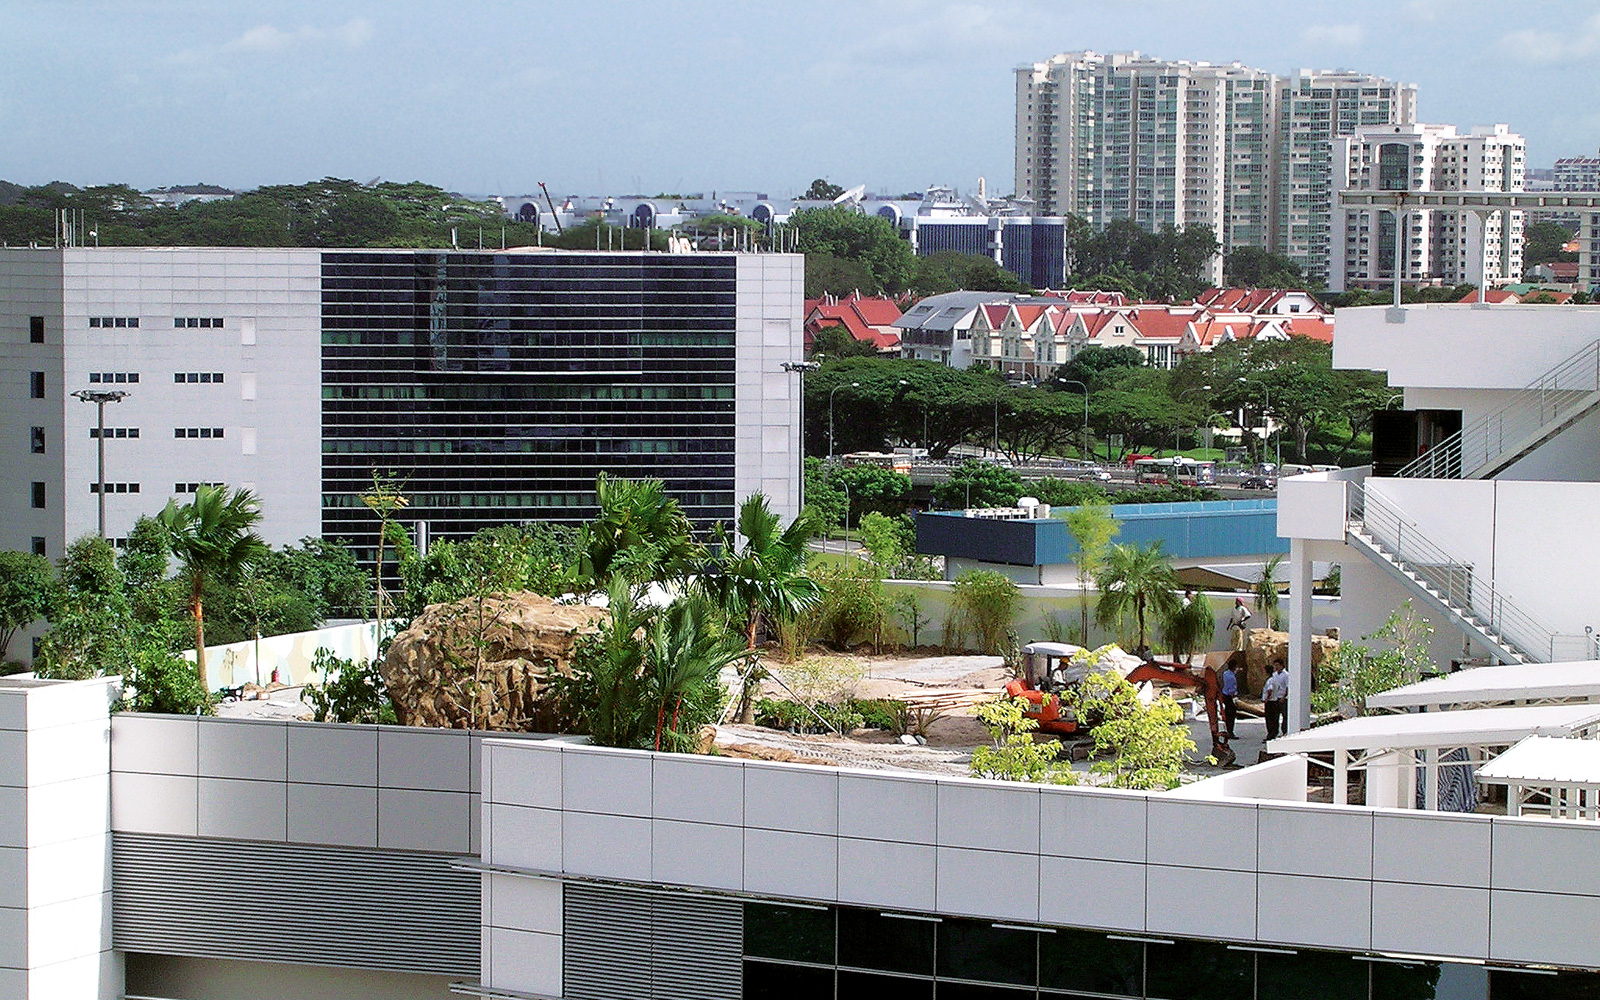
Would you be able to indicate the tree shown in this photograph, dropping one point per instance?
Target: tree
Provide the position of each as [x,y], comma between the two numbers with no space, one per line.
[1012,754]
[838,342]
[883,539]
[640,535]
[213,537]
[1355,672]
[951,270]
[822,190]
[326,572]
[986,604]
[827,274]
[1256,267]
[1092,527]
[26,583]
[1141,746]
[684,657]
[1189,628]
[979,484]
[1091,365]
[90,624]
[1266,591]
[385,499]
[1544,242]
[1135,580]
[866,239]
[763,577]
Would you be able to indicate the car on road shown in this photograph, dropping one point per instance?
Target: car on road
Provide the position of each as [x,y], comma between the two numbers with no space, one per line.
[1257,481]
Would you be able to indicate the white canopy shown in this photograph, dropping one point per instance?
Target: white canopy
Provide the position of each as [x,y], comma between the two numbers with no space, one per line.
[1545,760]
[1470,727]
[1520,682]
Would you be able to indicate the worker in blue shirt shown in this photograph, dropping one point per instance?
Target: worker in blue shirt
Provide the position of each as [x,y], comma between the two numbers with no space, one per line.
[1230,692]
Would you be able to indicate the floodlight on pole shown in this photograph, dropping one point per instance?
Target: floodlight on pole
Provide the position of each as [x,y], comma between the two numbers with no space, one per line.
[802,369]
[100,397]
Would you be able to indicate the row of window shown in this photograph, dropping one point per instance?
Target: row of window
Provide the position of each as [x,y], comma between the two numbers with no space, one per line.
[109,377]
[115,432]
[113,321]
[115,487]
[819,953]
[182,488]
[197,377]
[202,322]
[197,432]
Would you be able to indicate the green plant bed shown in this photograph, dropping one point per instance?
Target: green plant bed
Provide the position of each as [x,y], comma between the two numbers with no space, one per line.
[796,718]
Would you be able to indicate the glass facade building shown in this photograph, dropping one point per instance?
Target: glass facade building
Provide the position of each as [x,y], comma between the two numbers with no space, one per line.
[495,386]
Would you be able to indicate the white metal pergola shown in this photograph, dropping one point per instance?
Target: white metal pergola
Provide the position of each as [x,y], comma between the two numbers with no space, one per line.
[1545,776]
[1488,687]
[1391,748]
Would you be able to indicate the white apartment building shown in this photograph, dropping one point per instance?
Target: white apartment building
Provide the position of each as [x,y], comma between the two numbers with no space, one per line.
[1449,247]
[1123,136]
[494,384]
[1313,108]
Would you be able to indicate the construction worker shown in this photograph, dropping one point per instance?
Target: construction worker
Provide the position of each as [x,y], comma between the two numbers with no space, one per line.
[1238,622]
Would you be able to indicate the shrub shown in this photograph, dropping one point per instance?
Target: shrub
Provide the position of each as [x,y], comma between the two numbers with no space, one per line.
[823,678]
[889,714]
[1145,745]
[853,604]
[1012,754]
[986,602]
[351,691]
[797,718]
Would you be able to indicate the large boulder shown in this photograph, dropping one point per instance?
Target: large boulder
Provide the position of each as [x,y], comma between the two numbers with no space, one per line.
[523,638]
[1263,647]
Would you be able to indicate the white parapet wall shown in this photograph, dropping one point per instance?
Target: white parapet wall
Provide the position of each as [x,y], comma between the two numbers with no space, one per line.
[55,841]
[289,658]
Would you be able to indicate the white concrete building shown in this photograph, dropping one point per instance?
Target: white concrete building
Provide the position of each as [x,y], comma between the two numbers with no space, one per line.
[1488,529]
[1440,246]
[495,384]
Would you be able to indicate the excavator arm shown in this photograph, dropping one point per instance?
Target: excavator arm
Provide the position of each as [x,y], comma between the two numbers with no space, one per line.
[1206,683]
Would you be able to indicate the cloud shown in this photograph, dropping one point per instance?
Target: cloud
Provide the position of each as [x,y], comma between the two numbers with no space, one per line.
[269,38]
[1532,45]
[1338,35]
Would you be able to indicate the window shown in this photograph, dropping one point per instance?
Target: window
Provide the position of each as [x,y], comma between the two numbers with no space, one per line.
[1091,963]
[36,440]
[206,377]
[790,933]
[197,432]
[36,385]
[870,940]
[38,496]
[38,545]
[115,432]
[115,487]
[193,487]
[197,322]
[35,329]
[108,322]
[113,377]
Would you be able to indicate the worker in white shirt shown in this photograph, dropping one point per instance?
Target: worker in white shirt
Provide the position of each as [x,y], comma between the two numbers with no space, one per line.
[1275,695]
[1239,623]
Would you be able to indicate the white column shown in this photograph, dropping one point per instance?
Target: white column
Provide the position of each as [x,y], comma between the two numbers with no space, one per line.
[55,829]
[1341,778]
[1299,635]
[1430,780]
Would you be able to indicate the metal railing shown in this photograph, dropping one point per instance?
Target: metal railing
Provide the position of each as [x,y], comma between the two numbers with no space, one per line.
[1455,583]
[1553,397]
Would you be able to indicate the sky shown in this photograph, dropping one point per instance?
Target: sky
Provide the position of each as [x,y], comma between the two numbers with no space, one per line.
[643,97]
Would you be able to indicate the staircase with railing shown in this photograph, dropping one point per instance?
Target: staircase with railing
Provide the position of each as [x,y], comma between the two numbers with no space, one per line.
[1538,412]
[1380,530]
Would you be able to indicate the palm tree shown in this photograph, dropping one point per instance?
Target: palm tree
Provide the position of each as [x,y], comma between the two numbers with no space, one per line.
[213,538]
[685,652]
[640,533]
[1134,580]
[765,576]
[1190,628]
[1266,591]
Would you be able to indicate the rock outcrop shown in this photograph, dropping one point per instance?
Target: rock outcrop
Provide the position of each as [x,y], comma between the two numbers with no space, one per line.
[524,637]
[1264,647]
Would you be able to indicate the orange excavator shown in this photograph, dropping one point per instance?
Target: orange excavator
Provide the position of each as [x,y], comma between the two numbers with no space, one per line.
[1057,721]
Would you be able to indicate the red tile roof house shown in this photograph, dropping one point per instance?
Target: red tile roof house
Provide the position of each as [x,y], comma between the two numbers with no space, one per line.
[869,320]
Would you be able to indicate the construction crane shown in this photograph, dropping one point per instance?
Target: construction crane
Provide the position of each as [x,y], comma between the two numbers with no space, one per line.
[552,204]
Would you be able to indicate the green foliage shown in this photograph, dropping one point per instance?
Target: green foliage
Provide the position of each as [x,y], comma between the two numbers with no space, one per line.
[597,234]
[864,488]
[950,271]
[907,610]
[884,538]
[326,572]
[145,557]
[986,603]
[606,693]
[1092,527]
[889,714]
[158,679]
[507,558]
[1091,367]
[1012,754]
[979,484]
[1067,492]
[1135,581]
[797,718]
[937,406]
[1125,257]
[1357,671]
[90,621]
[822,189]
[213,538]
[352,691]
[1266,591]
[1141,746]
[684,656]
[1544,242]
[1168,494]
[852,604]
[1255,267]
[640,535]
[866,240]
[1189,628]
[26,585]
[839,342]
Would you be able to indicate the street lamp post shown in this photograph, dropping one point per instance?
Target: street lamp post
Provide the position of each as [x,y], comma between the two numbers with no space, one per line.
[1266,423]
[800,368]
[853,385]
[100,397]
[1073,381]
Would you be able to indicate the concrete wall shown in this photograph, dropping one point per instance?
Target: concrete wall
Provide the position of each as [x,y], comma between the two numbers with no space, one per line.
[175,978]
[769,318]
[234,663]
[1457,346]
[1297,875]
[55,842]
[30,285]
